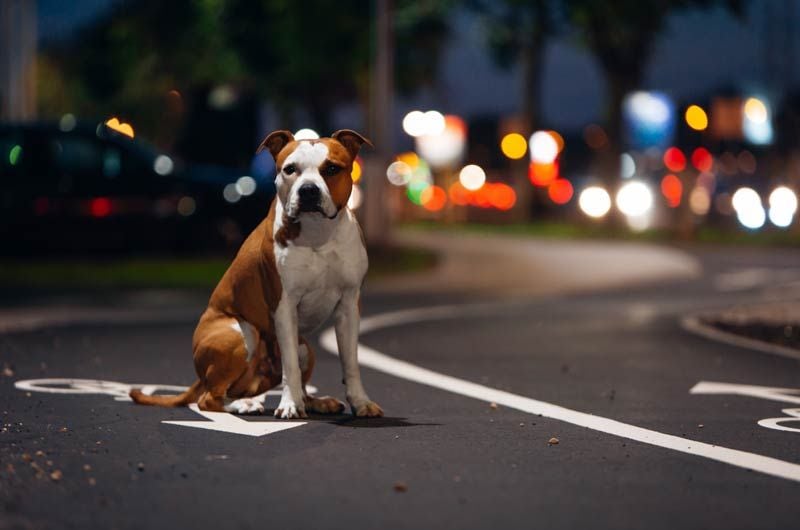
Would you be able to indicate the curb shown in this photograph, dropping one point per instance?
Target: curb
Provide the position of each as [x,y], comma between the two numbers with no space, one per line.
[694,325]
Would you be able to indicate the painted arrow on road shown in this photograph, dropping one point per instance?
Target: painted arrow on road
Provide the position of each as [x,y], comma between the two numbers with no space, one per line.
[224,422]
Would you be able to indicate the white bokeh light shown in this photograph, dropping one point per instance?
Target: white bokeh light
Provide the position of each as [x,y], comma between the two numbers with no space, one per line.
[543,147]
[594,201]
[634,199]
[782,206]
[749,210]
[306,134]
[472,177]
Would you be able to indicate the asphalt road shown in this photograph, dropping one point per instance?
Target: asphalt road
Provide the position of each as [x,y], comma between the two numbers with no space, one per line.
[440,459]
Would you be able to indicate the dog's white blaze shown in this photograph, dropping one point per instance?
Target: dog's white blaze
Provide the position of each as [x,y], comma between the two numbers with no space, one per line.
[307,158]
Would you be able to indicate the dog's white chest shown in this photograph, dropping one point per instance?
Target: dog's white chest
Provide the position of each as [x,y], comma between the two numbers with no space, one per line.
[315,278]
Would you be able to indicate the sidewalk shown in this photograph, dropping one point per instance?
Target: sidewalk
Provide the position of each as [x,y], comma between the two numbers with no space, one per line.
[524,266]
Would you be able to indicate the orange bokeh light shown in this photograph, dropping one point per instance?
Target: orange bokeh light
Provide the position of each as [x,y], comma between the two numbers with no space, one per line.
[672,189]
[433,198]
[542,174]
[501,196]
[558,138]
[674,159]
[560,191]
[459,195]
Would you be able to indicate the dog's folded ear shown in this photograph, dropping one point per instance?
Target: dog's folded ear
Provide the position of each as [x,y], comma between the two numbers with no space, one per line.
[275,141]
[351,140]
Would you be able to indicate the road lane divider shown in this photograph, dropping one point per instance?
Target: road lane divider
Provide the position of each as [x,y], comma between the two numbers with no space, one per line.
[381,362]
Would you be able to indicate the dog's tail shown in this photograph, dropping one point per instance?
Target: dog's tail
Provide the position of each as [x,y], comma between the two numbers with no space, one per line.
[191,395]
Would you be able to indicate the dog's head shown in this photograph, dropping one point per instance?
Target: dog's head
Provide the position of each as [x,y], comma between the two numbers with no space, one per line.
[313,176]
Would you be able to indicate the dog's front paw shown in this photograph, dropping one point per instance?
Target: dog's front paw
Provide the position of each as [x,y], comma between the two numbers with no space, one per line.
[288,410]
[245,406]
[368,409]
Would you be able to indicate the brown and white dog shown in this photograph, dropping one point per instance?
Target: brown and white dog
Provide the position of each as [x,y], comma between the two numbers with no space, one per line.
[304,262]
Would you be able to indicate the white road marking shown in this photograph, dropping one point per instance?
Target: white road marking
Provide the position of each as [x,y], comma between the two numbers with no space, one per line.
[773,393]
[784,395]
[225,422]
[220,421]
[378,361]
[792,415]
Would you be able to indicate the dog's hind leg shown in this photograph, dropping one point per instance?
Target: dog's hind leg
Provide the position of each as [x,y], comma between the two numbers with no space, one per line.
[320,405]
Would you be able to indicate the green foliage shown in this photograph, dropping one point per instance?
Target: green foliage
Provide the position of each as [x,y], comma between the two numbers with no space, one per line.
[312,54]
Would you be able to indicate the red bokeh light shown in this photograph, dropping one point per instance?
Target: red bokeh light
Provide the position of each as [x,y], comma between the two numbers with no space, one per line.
[702,159]
[433,198]
[560,191]
[672,189]
[100,207]
[674,159]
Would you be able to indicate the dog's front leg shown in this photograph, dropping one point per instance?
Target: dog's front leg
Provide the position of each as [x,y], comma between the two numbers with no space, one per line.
[347,319]
[291,405]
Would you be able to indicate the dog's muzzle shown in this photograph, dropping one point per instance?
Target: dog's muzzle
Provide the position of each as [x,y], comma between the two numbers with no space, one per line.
[309,197]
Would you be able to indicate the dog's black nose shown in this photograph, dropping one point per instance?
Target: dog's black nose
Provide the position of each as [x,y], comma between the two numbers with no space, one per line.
[309,195]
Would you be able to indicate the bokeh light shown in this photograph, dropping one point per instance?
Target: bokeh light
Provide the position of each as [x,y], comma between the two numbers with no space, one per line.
[433,198]
[163,165]
[674,159]
[749,210]
[755,110]
[627,166]
[782,206]
[699,200]
[67,122]
[446,148]
[398,173]
[415,189]
[472,177]
[696,118]
[756,123]
[702,159]
[542,174]
[543,147]
[14,155]
[246,185]
[500,195]
[672,189]
[594,201]
[634,199]
[306,134]
[122,128]
[356,198]
[560,191]
[595,137]
[514,146]
[355,174]
[417,123]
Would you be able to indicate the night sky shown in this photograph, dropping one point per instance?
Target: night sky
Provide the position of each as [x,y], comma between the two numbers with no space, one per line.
[699,52]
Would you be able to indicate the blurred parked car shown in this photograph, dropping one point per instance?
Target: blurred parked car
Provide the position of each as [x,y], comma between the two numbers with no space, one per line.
[76,189]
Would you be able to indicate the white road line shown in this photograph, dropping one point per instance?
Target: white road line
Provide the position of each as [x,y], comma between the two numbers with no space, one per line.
[378,361]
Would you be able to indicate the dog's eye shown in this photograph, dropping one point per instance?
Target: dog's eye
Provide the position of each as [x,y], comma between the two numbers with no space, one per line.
[291,168]
[330,170]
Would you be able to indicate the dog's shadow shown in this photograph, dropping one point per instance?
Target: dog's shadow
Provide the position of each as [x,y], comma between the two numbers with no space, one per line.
[346,420]
[374,423]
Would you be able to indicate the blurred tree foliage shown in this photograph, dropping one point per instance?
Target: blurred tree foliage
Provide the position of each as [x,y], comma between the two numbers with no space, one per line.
[621,36]
[308,55]
[517,32]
